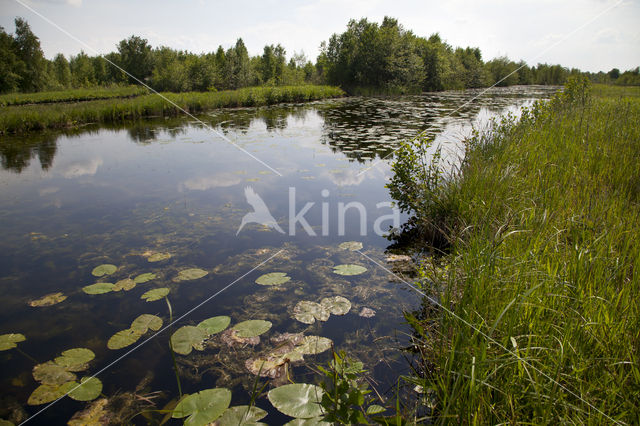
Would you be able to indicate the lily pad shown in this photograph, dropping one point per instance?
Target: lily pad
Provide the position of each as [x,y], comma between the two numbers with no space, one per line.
[9,341]
[126,285]
[155,294]
[48,300]
[157,257]
[98,288]
[308,312]
[252,328]
[351,245]
[203,407]
[215,325]
[144,322]
[89,389]
[143,278]
[123,338]
[273,278]
[316,421]
[74,358]
[297,400]
[104,269]
[241,415]
[44,394]
[337,305]
[187,338]
[190,274]
[349,269]
[231,338]
[367,313]
[50,373]
[312,345]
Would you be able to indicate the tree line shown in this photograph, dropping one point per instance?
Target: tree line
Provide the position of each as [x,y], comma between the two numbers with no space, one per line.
[367,56]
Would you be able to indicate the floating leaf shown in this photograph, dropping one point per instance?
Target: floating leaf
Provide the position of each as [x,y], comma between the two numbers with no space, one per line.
[8,341]
[215,325]
[157,257]
[143,278]
[337,305]
[316,421]
[190,274]
[297,400]
[104,269]
[89,389]
[252,328]
[273,278]
[155,294]
[351,245]
[44,394]
[308,312]
[312,345]
[98,288]
[75,357]
[126,285]
[187,338]
[123,338]
[203,407]
[144,322]
[48,300]
[50,373]
[231,338]
[241,415]
[349,269]
[367,313]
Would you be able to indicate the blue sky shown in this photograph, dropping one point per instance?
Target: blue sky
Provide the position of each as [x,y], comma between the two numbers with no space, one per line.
[519,29]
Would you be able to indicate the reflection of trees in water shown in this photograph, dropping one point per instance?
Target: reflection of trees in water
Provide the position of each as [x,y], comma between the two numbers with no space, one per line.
[16,153]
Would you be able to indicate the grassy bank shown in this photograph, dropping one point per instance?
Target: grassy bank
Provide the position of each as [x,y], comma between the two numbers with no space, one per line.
[38,117]
[74,95]
[541,272]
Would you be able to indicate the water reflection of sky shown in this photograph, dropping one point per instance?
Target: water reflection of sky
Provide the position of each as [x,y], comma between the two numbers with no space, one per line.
[73,201]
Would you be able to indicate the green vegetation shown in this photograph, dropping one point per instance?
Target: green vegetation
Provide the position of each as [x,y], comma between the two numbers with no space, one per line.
[538,273]
[72,95]
[39,117]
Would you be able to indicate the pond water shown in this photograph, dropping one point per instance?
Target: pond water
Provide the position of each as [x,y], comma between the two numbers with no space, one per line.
[74,200]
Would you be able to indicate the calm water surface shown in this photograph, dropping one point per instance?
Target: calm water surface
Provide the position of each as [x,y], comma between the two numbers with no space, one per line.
[72,201]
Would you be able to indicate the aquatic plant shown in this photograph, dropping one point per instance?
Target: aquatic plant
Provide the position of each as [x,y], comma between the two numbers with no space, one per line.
[308,312]
[202,407]
[98,288]
[273,278]
[241,415]
[143,278]
[48,300]
[155,294]
[139,326]
[350,245]
[349,269]
[251,328]
[10,341]
[297,400]
[336,305]
[125,284]
[190,274]
[104,269]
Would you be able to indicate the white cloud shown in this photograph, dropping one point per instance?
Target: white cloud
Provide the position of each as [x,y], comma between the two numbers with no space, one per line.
[80,168]
[207,182]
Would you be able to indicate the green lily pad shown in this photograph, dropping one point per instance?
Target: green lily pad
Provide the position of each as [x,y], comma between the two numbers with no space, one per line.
[252,328]
[143,278]
[350,245]
[123,338]
[349,269]
[44,394]
[104,269]
[337,305]
[126,285]
[155,294]
[315,421]
[144,322]
[157,257]
[312,345]
[203,407]
[98,288]
[4,422]
[241,415]
[297,400]
[48,300]
[50,373]
[190,274]
[273,278]
[8,341]
[75,357]
[308,312]
[89,389]
[187,338]
[215,325]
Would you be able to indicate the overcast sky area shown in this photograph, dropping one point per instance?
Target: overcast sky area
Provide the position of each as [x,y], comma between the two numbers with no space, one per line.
[518,29]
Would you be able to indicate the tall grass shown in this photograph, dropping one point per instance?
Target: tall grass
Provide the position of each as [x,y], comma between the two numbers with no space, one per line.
[39,117]
[73,95]
[542,274]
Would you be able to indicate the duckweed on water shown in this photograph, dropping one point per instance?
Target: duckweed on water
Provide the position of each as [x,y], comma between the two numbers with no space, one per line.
[104,269]
[155,294]
[349,269]
[273,278]
[10,341]
[48,300]
[202,407]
